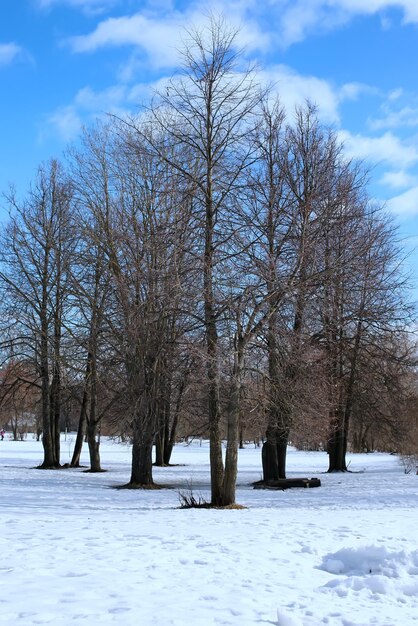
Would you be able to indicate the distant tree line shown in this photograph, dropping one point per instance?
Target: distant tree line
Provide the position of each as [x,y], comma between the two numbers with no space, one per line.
[207,268]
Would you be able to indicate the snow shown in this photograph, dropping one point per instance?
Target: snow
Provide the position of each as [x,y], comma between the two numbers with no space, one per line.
[74,551]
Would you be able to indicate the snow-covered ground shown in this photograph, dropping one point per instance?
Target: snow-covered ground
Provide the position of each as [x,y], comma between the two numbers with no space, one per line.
[74,551]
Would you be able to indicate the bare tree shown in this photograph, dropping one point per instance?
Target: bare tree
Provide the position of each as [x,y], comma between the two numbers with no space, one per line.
[207,110]
[365,306]
[36,253]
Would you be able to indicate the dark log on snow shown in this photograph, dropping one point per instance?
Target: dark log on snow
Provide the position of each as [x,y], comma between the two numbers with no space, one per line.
[287,483]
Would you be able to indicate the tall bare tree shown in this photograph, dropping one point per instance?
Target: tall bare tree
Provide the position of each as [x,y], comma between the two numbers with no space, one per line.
[207,110]
[34,267]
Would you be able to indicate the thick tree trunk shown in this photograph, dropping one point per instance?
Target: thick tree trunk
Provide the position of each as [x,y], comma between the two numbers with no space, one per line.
[94,447]
[337,445]
[269,456]
[270,449]
[141,473]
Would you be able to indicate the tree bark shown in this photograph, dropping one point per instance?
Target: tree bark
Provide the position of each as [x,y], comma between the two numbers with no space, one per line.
[141,473]
[337,443]
[215,442]
[82,423]
[269,456]
[231,459]
[94,446]
[49,461]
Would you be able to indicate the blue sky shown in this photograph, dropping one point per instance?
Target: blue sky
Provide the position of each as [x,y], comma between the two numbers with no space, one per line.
[64,62]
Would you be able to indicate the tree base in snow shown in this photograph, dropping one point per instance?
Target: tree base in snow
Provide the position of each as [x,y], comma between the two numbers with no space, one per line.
[287,483]
[149,486]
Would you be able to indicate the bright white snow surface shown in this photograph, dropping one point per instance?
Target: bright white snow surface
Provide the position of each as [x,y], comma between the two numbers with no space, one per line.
[74,551]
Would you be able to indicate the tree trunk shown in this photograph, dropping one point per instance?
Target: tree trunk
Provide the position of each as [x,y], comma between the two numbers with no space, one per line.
[94,446]
[282,442]
[171,439]
[49,461]
[81,432]
[92,420]
[160,446]
[55,406]
[215,441]
[162,408]
[141,474]
[231,459]
[337,445]
[269,452]
[269,456]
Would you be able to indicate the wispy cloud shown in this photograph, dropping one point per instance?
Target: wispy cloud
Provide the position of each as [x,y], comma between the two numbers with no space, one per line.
[294,89]
[353,91]
[405,204]
[387,148]
[88,105]
[156,29]
[157,38]
[65,122]
[10,52]
[299,18]
[159,35]
[398,179]
[404,117]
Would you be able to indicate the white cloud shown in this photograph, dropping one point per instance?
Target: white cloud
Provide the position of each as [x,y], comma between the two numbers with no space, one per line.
[156,29]
[66,122]
[384,149]
[89,105]
[100,101]
[352,91]
[157,38]
[160,36]
[10,52]
[407,116]
[395,94]
[406,204]
[398,179]
[300,18]
[294,89]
